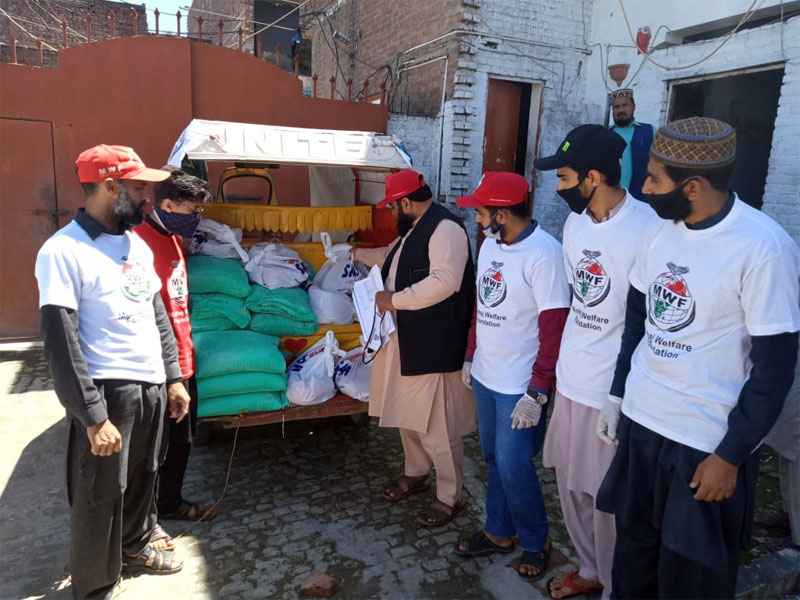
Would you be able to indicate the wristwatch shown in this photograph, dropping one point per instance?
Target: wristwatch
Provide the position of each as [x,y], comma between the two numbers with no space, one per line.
[541,399]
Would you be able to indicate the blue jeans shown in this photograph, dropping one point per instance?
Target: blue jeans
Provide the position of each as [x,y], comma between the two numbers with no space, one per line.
[514,502]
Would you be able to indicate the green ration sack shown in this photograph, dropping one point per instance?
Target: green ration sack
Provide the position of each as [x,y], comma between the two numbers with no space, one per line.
[210,306]
[208,274]
[226,352]
[293,303]
[240,383]
[232,405]
[213,324]
[278,325]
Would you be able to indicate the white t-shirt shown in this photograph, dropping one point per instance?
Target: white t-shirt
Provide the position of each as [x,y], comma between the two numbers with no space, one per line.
[707,292]
[110,281]
[598,258]
[515,283]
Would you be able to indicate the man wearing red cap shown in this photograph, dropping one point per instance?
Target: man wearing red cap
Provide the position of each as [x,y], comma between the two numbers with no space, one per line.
[522,305]
[416,384]
[110,348]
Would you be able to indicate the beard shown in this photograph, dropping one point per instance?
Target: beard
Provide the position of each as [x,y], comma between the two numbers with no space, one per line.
[623,121]
[404,222]
[128,213]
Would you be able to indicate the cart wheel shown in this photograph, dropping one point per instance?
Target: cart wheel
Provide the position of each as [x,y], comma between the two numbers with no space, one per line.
[360,418]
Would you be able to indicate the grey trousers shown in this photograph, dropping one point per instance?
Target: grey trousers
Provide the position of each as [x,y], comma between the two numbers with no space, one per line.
[111,496]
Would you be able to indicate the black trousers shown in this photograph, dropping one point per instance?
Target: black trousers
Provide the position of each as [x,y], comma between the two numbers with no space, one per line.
[111,496]
[670,545]
[177,445]
[645,568]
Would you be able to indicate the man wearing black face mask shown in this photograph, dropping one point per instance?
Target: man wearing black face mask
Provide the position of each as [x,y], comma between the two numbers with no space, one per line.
[603,236]
[706,360]
[416,377]
[178,209]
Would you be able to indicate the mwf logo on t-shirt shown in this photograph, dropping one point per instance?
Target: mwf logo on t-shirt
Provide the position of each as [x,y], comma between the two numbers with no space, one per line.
[136,284]
[491,286]
[176,284]
[591,283]
[670,305]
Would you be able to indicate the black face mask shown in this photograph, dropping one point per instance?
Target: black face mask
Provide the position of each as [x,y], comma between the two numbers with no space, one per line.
[405,221]
[673,205]
[575,200]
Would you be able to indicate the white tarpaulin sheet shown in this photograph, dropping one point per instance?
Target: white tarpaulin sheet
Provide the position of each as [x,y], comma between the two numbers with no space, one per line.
[246,142]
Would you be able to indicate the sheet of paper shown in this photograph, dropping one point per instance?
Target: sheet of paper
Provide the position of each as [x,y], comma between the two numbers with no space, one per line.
[364,291]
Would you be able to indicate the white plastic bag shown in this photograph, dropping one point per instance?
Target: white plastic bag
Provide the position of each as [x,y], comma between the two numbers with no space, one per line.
[275,266]
[352,375]
[216,239]
[310,379]
[331,308]
[339,272]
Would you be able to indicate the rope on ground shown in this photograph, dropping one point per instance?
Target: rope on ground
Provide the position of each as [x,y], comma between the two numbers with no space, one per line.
[239,420]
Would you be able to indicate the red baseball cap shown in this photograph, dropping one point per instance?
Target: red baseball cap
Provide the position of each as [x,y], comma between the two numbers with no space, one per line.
[403,184]
[497,188]
[117,162]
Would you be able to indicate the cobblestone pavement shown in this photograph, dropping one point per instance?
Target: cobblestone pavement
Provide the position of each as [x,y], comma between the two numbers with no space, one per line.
[302,497]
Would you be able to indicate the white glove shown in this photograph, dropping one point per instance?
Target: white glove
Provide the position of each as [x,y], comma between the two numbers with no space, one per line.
[526,413]
[608,420]
[466,373]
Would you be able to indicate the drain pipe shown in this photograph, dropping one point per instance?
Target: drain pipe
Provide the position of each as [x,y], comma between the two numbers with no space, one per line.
[446,60]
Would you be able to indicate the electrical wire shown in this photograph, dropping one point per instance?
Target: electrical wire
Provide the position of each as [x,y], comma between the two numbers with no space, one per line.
[278,20]
[44,44]
[649,58]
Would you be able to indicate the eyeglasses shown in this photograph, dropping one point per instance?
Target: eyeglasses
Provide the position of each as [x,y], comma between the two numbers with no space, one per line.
[195,209]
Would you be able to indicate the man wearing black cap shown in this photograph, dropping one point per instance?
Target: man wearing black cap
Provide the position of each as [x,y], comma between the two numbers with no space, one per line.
[416,381]
[603,235]
[638,138]
[706,360]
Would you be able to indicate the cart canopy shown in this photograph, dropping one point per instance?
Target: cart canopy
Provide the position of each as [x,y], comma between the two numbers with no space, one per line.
[247,142]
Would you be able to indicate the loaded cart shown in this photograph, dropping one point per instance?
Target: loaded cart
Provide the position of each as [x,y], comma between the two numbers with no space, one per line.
[293,186]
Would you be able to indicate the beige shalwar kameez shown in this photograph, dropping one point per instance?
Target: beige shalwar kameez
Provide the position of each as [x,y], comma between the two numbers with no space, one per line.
[434,411]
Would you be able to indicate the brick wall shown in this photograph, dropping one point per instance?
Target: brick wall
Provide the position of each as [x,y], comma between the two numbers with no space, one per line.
[538,43]
[751,48]
[43,21]
[240,13]
[380,33]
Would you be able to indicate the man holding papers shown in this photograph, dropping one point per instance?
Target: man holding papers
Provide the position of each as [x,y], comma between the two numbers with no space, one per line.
[416,376]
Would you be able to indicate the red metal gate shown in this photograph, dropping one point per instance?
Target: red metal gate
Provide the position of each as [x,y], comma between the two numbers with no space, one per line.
[28,216]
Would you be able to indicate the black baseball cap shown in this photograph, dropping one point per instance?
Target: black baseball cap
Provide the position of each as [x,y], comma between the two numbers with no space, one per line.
[585,147]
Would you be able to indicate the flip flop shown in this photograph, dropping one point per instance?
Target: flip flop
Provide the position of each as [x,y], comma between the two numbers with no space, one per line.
[435,516]
[479,544]
[404,486]
[576,589]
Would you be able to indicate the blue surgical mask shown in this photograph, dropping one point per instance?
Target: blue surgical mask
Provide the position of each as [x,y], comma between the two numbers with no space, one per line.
[493,231]
[180,224]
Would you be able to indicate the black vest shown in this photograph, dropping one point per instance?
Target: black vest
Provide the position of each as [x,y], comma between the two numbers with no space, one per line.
[433,339]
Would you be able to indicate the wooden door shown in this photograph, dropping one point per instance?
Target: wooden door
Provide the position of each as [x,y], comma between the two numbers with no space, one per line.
[502,126]
[28,216]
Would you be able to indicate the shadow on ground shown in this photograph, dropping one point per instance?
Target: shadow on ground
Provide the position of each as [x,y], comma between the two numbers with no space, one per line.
[34,522]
